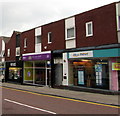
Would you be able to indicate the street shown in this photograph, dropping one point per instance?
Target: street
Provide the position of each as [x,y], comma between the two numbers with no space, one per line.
[23,102]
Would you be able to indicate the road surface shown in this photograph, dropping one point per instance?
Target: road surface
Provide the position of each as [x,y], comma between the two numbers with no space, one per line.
[23,102]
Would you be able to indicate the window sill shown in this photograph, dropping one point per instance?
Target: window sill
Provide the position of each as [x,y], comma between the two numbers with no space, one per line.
[72,38]
[49,42]
[89,35]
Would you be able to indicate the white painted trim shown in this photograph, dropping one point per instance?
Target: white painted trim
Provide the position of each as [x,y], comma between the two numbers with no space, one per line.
[38,31]
[36,53]
[117,17]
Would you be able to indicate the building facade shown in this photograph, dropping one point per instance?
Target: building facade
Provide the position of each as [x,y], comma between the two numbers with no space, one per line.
[3,40]
[79,51]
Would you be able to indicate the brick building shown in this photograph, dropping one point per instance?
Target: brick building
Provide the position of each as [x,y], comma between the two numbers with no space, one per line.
[79,51]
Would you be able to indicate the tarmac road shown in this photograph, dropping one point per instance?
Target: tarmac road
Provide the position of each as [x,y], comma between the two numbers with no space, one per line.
[23,102]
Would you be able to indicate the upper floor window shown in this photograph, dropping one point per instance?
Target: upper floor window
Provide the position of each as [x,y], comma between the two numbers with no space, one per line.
[118,22]
[18,40]
[8,53]
[89,29]
[70,33]
[38,39]
[25,43]
[2,53]
[18,51]
[49,37]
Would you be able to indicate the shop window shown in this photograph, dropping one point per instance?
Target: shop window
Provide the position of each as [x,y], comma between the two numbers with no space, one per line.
[70,33]
[38,39]
[91,73]
[14,73]
[89,29]
[98,70]
[49,37]
[8,53]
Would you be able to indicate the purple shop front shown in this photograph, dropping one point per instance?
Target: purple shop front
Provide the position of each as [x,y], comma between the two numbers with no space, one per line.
[46,56]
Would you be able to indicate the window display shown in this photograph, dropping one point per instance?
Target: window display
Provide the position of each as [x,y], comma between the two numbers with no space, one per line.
[91,72]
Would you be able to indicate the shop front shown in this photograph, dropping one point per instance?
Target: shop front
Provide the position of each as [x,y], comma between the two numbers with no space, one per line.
[37,69]
[14,71]
[93,69]
[2,71]
[90,72]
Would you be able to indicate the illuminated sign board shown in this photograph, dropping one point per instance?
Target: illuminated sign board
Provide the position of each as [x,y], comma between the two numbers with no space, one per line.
[115,66]
[81,54]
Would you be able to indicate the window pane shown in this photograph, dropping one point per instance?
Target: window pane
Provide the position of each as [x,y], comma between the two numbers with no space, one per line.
[70,32]
[49,37]
[119,22]
[18,40]
[8,54]
[38,39]
[25,42]
[89,29]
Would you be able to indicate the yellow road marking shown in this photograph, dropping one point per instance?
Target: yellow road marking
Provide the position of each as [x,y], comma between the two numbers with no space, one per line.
[100,104]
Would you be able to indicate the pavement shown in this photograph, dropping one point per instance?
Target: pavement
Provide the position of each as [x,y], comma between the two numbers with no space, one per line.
[94,97]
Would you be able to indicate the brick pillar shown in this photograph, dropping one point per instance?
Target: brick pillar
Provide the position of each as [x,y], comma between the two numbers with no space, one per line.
[113,76]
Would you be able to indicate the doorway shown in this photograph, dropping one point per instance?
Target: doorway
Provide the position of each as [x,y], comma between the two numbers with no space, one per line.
[58,74]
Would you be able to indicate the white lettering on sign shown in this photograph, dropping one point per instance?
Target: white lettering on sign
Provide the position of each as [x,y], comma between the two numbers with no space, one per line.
[12,64]
[81,54]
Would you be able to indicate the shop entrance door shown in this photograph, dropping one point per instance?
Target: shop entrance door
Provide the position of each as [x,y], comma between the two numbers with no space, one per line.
[40,76]
[58,74]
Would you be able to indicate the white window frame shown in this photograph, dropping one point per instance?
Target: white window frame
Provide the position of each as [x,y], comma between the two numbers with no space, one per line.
[2,53]
[49,42]
[36,38]
[68,38]
[87,33]
[8,52]
[25,43]
[118,23]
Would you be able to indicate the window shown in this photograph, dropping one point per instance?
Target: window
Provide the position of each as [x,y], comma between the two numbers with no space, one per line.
[49,37]
[2,53]
[8,53]
[89,29]
[25,43]
[18,51]
[38,39]
[18,40]
[118,22]
[70,33]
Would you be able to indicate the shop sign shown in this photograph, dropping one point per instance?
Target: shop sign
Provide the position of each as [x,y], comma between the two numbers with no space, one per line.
[81,54]
[37,57]
[12,64]
[115,66]
[2,68]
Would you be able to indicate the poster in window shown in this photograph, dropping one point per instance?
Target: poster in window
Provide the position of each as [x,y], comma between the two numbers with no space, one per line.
[81,77]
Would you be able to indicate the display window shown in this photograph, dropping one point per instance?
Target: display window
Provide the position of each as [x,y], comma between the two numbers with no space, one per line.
[36,72]
[90,72]
[14,73]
